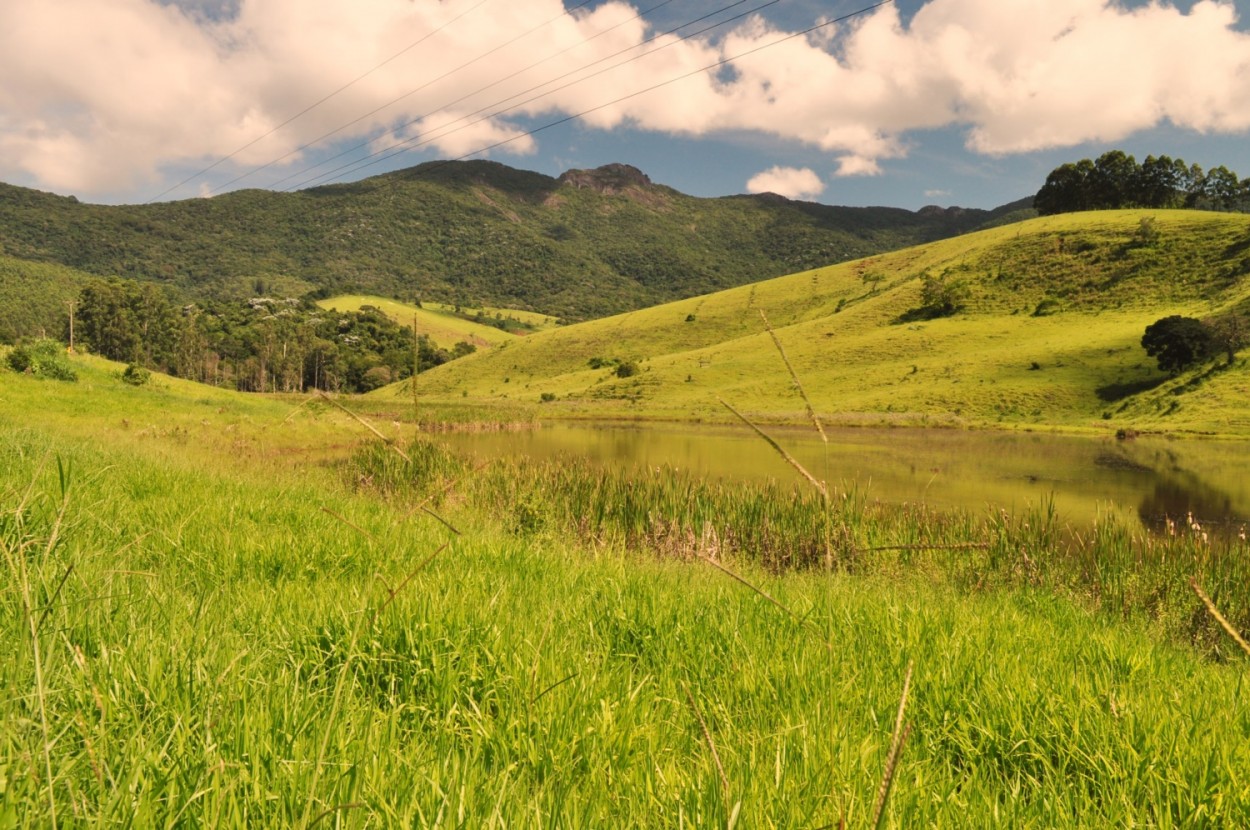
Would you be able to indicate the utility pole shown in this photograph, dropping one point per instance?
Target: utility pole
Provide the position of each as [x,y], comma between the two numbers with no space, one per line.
[71,326]
[416,366]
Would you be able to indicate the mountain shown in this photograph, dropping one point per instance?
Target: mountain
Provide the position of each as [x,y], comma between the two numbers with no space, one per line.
[1045,329]
[586,244]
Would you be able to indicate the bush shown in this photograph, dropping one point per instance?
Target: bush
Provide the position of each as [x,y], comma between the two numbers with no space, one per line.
[547,397]
[1046,308]
[627,369]
[136,375]
[19,359]
[43,359]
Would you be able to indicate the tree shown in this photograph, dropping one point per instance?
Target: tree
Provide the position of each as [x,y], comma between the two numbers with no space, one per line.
[941,298]
[1112,184]
[1160,182]
[1178,342]
[1230,333]
[1066,189]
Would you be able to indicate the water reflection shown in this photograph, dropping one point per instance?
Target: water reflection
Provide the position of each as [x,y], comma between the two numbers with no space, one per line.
[1146,481]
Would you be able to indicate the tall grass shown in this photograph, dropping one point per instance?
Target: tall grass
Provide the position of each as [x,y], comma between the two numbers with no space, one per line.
[1124,572]
[221,648]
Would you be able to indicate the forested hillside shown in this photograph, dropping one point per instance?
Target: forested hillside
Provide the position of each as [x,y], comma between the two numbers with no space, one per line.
[587,244]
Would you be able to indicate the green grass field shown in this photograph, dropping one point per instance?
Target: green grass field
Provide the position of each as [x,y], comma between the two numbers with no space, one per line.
[443,328]
[234,610]
[1077,365]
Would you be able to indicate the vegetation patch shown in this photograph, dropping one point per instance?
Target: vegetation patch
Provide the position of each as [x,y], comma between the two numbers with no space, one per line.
[633,656]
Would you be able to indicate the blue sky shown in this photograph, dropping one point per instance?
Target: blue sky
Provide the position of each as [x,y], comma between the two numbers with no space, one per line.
[968,102]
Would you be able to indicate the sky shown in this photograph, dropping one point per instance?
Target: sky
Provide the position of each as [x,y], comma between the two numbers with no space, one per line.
[845,102]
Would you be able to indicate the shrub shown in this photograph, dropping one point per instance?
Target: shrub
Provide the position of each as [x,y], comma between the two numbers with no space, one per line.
[19,359]
[1046,308]
[626,369]
[136,375]
[547,397]
[43,359]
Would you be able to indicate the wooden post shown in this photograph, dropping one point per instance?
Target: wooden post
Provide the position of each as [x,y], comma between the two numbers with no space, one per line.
[71,326]
[416,367]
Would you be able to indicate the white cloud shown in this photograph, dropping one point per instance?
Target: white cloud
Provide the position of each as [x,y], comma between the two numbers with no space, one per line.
[101,95]
[791,182]
[856,165]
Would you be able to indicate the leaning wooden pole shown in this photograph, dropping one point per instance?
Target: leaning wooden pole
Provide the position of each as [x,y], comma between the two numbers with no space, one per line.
[416,367]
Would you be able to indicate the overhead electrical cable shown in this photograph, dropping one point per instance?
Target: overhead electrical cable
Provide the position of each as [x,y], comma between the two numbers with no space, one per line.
[478,91]
[319,102]
[414,142]
[653,87]
[394,101]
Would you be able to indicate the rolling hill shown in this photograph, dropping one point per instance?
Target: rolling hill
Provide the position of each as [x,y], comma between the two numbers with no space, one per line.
[1050,334]
[586,244]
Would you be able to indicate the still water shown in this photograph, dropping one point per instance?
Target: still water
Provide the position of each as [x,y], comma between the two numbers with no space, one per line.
[1145,480]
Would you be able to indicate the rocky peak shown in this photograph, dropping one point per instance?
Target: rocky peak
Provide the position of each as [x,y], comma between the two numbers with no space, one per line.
[610,179]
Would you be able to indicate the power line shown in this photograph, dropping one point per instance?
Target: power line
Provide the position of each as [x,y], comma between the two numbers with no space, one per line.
[319,102]
[417,141]
[662,84]
[710,67]
[478,91]
[400,98]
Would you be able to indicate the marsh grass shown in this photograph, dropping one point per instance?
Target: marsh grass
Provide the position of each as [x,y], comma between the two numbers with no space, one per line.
[1124,572]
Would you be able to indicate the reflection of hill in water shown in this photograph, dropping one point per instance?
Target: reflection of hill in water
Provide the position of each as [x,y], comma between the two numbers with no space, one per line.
[1176,492]
[1145,481]
[1179,497]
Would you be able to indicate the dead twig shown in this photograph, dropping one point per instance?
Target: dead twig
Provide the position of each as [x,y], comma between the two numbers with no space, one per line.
[390,442]
[896,750]
[780,450]
[707,736]
[1219,618]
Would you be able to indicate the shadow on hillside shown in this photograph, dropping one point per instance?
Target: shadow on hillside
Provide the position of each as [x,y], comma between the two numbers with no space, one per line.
[1113,392]
[1237,248]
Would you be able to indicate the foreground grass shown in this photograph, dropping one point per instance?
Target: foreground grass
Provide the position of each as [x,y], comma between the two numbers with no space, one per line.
[217,642]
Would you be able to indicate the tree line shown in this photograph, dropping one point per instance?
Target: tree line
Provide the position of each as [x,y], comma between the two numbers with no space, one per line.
[1116,180]
[265,344]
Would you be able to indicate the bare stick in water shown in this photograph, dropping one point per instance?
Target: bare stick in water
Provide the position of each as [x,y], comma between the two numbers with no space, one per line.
[388,441]
[781,450]
[811,411]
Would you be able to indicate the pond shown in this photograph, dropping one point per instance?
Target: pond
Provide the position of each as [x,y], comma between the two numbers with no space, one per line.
[1145,481]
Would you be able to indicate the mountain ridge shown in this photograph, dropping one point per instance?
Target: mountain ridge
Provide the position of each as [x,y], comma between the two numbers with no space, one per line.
[579,246]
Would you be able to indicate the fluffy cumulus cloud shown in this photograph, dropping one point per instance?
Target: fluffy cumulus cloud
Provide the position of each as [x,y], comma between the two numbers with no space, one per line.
[791,182]
[101,95]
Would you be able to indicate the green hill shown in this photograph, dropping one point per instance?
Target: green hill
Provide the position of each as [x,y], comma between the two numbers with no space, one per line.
[444,328]
[1050,334]
[477,233]
[35,297]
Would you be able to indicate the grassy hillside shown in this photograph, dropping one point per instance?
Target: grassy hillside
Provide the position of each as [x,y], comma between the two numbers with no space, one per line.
[443,328]
[230,610]
[1050,335]
[471,233]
